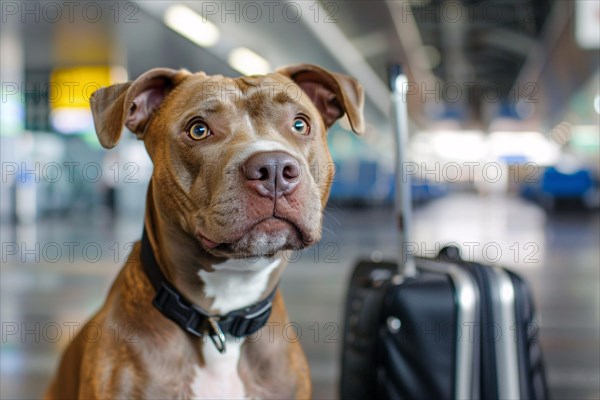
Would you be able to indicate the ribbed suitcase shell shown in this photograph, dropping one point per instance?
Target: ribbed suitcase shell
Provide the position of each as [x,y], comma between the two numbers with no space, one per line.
[422,329]
[444,334]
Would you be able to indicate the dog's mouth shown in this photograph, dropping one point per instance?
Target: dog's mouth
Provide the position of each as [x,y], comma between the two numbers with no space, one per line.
[262,238]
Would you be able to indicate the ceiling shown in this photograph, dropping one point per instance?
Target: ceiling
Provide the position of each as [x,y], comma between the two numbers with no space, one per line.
[477,44]
[480,45]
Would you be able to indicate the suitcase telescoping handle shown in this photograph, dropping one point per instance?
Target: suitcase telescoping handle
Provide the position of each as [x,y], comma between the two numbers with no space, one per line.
[403,200]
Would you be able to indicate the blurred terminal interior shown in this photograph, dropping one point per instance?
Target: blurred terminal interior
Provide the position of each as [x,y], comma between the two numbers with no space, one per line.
[504,107]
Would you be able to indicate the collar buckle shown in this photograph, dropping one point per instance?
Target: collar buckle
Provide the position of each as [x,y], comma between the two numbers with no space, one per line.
[169,302]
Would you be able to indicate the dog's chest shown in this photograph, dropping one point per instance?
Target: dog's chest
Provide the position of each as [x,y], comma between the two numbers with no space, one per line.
[232,285]
[236,284]
[219,377]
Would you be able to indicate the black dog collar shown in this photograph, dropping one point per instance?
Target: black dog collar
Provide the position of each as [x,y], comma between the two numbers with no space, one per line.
[193,319]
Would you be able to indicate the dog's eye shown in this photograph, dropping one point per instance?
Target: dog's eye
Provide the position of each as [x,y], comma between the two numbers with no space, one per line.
[301,126]
[199,131]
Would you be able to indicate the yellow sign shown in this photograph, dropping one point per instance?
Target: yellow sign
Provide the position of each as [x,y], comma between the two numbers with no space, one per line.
[72,87]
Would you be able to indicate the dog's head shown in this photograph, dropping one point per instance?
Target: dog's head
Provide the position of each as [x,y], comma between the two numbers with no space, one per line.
[241,163]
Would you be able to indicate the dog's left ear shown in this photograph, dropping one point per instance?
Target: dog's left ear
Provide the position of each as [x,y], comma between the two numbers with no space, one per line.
[333,94]
[131,104]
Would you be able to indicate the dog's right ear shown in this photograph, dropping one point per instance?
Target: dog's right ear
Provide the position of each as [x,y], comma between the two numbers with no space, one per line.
[131,104]
[333,94]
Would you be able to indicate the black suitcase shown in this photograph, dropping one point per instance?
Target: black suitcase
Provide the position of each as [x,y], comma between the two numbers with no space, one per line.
[437,328]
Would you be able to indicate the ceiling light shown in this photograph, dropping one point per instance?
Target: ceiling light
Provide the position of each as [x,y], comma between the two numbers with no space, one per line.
[248,62]
[192,25]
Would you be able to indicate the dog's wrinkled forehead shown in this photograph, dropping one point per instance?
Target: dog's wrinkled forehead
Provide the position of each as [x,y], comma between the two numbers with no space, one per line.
[254,93]
[135,104]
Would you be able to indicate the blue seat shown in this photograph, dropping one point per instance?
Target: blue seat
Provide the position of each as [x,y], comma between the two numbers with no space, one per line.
[559,184]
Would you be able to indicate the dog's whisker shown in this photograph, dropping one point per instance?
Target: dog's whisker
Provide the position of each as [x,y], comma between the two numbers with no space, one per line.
[331,217]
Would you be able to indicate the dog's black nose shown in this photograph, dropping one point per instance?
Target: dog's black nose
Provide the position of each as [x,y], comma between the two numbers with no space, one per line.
[272,174]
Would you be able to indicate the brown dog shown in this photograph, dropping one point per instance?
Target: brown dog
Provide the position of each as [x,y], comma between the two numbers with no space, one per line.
[240,169]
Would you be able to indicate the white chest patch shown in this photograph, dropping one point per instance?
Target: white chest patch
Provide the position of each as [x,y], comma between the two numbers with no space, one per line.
[219,378]
[232,285]
[236,284]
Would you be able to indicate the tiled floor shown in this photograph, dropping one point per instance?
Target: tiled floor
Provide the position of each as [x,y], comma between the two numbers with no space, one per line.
[560,256]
